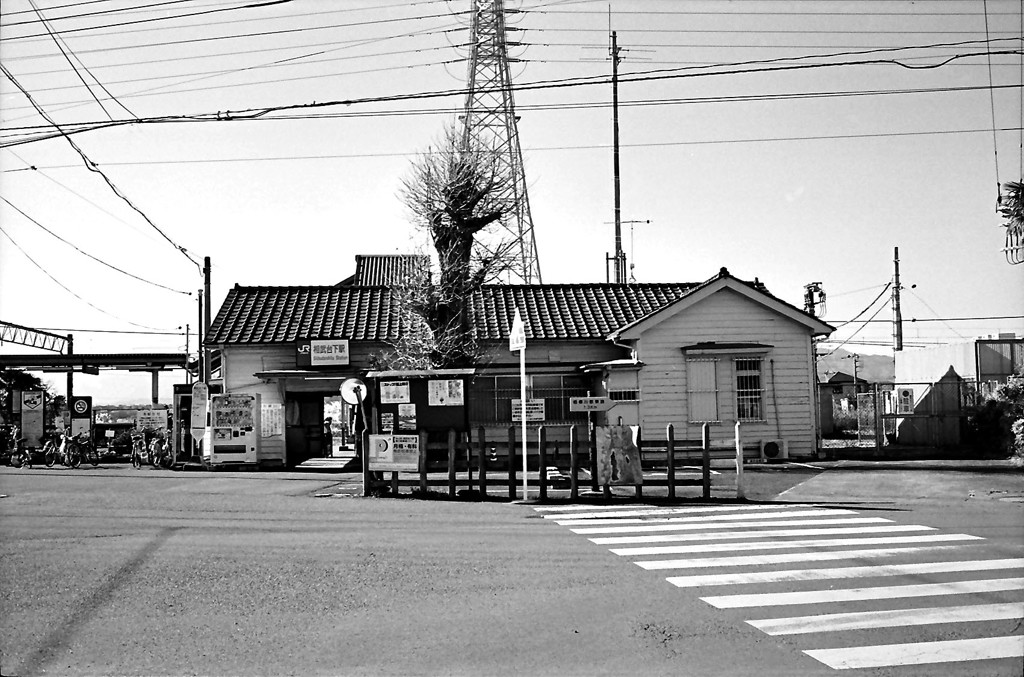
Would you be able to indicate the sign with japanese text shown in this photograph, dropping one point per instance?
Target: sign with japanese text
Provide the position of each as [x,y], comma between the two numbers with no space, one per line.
[151,419]
[322,353]
[534,410]
[197,415]
[394,392]
[589,404]
[407,417]
[397,453]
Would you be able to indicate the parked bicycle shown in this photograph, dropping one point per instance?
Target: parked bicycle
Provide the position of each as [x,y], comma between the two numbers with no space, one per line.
[138,448]
[14,448]
[69,453]
[160,449]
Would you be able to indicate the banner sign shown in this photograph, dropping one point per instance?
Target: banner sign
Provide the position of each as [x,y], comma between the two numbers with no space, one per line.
[333,352]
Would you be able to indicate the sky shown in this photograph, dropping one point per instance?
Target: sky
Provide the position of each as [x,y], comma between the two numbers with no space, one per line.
[788,141]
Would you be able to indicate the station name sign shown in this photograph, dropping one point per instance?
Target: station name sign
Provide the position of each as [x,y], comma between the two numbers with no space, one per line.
[322,353]
[589,404]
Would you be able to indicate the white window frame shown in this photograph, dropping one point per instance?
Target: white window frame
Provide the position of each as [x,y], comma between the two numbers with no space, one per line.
[694,394]
[747,397]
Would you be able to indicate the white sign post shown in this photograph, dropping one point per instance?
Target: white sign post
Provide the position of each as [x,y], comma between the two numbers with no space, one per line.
[517,341]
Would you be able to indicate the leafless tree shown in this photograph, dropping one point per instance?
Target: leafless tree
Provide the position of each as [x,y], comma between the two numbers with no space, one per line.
[458,193]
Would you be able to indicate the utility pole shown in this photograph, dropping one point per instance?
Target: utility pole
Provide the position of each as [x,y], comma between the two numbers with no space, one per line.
[897,317]
[620,256]
[71,370]
[206,319]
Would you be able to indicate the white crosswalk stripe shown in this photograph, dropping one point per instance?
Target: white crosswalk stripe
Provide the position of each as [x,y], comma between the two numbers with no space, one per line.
[760,543]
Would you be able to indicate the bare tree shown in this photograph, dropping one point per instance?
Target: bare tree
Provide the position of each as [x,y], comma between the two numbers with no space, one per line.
[458,194]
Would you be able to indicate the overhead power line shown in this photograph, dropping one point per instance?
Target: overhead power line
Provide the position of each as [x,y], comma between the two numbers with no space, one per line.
[90,256]
[64,286]
[93,167]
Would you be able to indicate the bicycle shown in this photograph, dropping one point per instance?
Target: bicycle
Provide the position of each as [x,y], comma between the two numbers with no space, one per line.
[20,456]
[68,453]
[138,449]
[88,449]
[160,450]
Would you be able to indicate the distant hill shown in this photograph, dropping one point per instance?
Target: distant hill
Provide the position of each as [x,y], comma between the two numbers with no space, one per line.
[871,368]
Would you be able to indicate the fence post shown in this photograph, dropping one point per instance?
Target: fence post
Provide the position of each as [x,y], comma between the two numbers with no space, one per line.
[705,444]
[640,454]
[592,452]
[670,457]
[542,460]
[574,463]
[739,463]
[451,463]
[364,456]
[512,462]
[481,455]
[423,461]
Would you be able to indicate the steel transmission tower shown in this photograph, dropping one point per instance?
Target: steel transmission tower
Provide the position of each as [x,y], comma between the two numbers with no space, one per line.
[490,122]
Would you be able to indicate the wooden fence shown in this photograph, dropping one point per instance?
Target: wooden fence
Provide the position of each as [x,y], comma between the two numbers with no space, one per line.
[480,459]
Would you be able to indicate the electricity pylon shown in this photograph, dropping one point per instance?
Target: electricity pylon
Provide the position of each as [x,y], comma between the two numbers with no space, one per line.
[490,122]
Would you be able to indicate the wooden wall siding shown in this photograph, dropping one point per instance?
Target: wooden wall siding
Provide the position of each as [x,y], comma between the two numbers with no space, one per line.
[497,355]
[730,317]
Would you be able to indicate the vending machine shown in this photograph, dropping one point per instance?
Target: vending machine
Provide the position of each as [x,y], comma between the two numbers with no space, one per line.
[233,435]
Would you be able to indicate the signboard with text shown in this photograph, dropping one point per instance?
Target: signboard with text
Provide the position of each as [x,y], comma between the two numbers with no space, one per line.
[322,353]
[534,411]
[397,453]
[589,404]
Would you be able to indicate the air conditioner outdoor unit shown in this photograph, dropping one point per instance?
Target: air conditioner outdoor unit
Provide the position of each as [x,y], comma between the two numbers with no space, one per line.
[774,450]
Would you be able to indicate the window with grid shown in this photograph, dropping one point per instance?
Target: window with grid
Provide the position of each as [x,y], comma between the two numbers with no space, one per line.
[749,390]
[702,390]
[490,398]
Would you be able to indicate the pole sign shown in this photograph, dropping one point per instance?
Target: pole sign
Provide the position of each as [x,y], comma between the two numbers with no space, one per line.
[81,414]
[200,403]
[589,404]
[32,415]
[517,336]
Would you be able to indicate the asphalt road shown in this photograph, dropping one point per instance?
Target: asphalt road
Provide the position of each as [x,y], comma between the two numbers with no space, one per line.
[111,571]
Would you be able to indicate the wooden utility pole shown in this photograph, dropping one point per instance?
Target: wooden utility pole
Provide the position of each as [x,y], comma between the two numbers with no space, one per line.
[897,317]
[205,352]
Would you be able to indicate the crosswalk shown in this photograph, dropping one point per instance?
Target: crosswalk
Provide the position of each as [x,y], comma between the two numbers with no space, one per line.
[834,580]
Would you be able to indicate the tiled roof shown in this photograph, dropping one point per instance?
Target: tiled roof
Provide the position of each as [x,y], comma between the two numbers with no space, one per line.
[387,269]
[570,311]
[252,315]
[286,314]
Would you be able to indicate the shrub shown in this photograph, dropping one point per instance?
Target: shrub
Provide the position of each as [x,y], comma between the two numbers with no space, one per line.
[997,424]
